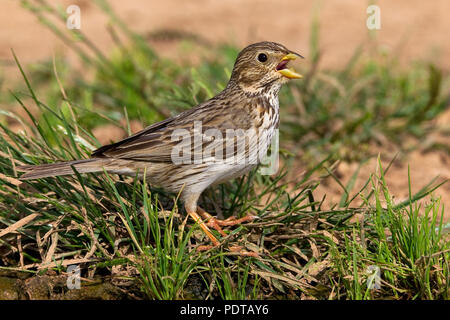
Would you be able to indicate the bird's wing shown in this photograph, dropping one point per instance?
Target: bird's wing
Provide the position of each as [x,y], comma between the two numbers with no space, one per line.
[115,149]
[156,143]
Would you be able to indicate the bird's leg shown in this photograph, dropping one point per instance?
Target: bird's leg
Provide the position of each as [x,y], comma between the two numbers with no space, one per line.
[204,227]
[191,208]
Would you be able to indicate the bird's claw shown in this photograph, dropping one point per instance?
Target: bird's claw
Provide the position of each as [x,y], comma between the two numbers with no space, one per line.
[234,250]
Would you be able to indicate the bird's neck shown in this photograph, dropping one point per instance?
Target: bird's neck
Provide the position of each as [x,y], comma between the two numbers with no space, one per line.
[272,97]
[267,93]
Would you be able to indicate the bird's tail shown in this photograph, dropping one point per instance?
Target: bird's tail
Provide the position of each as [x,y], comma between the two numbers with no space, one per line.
[64,168]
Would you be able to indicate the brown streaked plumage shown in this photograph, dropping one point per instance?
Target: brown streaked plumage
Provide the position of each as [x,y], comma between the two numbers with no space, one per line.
[249,102]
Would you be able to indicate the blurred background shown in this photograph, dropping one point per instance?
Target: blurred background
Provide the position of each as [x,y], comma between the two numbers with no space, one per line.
[413,29]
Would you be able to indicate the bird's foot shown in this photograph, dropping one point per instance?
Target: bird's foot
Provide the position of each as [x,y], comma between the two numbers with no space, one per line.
[205,248]
[241,252]
[204,227]
[217,224]
[232,221]
[235,250]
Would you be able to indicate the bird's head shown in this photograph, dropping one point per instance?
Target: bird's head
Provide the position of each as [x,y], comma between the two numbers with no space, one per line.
[262,66]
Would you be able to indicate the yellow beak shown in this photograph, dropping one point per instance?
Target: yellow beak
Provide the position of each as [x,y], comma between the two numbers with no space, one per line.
[290,73]
[289,56]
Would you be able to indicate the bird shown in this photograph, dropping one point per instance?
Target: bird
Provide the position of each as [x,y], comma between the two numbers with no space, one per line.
[202,146]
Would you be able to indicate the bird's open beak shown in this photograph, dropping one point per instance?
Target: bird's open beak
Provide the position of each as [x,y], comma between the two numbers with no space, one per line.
[282,66]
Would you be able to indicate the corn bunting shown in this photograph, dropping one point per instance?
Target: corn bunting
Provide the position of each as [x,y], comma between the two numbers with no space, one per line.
[202,146]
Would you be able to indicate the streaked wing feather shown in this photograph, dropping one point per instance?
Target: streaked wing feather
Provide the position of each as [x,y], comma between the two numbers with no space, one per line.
[155,142]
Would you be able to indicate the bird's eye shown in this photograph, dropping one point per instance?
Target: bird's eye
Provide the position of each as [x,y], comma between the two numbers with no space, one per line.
[262,57]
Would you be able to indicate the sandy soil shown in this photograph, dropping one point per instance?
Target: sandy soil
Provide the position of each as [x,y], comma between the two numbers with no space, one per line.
[412,29]
[417,29]
[423,168]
